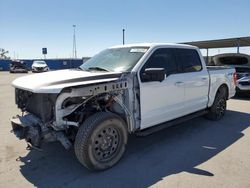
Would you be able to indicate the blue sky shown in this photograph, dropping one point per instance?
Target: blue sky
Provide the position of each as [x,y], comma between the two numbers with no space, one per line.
[28,25]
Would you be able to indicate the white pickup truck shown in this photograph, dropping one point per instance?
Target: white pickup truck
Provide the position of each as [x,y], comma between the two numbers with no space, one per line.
[140,88]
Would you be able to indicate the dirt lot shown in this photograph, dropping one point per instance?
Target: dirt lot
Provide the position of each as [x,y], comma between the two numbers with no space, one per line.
[197,153]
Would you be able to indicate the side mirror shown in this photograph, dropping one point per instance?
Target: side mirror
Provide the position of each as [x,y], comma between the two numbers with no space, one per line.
[153,74]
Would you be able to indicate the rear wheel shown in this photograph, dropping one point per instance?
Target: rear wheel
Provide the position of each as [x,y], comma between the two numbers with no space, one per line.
[218,109]
[100,141]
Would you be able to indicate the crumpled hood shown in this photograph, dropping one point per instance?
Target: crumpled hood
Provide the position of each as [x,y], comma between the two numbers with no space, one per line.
[55,81]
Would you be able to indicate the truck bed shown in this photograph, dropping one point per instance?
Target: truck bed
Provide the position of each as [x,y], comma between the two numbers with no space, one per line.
[218,75]
[211,68]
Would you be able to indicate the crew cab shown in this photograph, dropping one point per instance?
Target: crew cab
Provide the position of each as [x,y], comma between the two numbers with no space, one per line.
[129,89]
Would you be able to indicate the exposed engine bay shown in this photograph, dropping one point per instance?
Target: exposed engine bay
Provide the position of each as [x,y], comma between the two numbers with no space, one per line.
[56,117]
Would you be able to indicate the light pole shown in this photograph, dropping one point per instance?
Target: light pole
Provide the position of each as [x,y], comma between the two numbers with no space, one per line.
[74,42]
[123,36]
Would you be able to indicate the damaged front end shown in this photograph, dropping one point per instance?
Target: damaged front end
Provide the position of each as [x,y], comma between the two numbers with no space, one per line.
[34,125]
[57,117]
[27,127]
[30,128]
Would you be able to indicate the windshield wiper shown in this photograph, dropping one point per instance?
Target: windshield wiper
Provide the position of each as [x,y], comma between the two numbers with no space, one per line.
[79,68]
[98,68]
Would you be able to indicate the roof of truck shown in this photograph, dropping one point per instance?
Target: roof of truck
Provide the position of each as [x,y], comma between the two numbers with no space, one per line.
[153,45]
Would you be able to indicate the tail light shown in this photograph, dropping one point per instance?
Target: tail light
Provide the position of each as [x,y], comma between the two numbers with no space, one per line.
[234,78]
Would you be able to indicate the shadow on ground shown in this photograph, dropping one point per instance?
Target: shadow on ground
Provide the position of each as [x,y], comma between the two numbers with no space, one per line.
[242,96]
[147,159]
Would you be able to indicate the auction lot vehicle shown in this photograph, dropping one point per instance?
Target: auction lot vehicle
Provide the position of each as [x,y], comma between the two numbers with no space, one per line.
[39,66]
[17,66]
[140,88]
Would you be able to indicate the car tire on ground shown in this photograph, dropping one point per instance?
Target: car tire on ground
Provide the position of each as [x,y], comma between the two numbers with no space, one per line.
[100,141]
[218,109]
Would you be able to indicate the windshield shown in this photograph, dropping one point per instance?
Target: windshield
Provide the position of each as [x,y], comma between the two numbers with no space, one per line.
[39,62]
[115,59]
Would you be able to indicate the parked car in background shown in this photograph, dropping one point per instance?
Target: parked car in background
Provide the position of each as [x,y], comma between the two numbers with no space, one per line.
[39,66]
[17,66]
[241,63]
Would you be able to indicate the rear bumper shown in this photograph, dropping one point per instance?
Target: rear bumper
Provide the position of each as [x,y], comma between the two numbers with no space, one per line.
[243,84]
[36,71]
[18,71]
[238,90]
[243,88]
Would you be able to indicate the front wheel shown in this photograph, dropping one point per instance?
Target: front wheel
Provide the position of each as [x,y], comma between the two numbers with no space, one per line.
[100,141]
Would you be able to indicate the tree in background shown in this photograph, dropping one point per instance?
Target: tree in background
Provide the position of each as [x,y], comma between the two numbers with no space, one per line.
[3,54]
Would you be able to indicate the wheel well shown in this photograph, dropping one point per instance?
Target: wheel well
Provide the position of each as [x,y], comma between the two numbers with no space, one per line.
[110,105]
[221,88]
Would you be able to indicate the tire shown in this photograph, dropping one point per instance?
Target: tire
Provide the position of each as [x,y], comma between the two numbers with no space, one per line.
[218,109]
[100,141]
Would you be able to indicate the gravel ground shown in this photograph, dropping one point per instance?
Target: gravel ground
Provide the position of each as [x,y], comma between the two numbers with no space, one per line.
[197,153]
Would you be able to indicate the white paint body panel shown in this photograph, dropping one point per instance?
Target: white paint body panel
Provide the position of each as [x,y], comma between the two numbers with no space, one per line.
[43,82]
[243,87]
[219,76]
[161,101]
[164,101]
[196,91]
[36,64]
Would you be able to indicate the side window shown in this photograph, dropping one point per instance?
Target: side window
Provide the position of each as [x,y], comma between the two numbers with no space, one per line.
[189,59]
[162,58]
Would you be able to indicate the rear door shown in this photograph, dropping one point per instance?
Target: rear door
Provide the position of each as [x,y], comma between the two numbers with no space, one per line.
[161,101]
[196,79]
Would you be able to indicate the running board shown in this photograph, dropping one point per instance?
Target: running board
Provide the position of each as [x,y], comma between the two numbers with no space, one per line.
[151,130]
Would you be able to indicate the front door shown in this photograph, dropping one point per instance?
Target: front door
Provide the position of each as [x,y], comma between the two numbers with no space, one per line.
[161,101]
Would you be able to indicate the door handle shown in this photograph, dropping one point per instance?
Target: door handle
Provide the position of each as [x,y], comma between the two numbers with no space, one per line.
[178,84]
[203,79]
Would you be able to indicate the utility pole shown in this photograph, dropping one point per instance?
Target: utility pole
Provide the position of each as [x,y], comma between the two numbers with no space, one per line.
[74,42]
[123,36]
[238,46]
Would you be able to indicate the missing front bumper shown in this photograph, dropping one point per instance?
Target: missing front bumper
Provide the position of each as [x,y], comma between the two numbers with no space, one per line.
[30,128]
[27,127]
